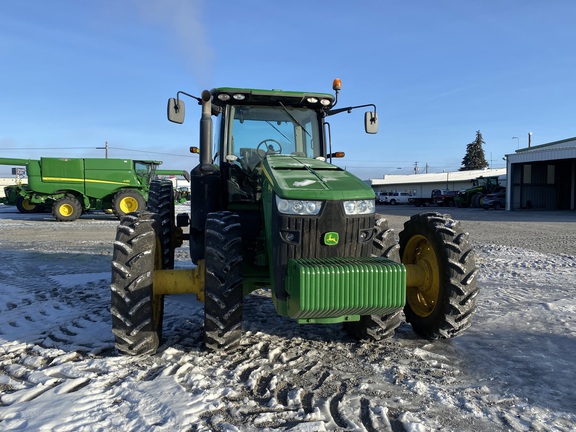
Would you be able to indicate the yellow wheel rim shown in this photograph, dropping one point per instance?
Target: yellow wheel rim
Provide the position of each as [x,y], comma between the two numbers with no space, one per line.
[128,205]
[420,255]
[66,210]
[27,205]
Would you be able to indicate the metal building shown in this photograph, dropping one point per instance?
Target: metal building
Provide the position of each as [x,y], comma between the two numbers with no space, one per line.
[542,177]
[422,185]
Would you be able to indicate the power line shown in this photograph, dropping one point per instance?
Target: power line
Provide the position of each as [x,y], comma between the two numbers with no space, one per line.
[48,148]
[151,152]
[96,148]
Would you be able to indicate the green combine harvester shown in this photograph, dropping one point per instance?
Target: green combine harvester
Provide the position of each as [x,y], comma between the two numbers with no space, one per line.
[269,210]
[72,186]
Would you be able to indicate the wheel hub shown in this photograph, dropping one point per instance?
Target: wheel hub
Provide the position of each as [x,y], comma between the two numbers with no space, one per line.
[66,210]
[423,277]
[128,205]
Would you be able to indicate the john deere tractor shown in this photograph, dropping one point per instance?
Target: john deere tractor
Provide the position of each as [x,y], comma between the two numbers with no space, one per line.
[270,211]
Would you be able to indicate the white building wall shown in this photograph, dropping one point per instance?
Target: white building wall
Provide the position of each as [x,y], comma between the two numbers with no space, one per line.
[8,182]
[423,184]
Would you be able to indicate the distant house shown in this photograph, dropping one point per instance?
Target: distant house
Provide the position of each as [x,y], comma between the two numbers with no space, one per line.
[423,184]
[543,177]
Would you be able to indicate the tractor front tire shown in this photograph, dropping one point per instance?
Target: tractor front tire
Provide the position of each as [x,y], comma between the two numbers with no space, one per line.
[374,327]
[66,209]
[137,313]
[127,201]
[443,306]
[223,289]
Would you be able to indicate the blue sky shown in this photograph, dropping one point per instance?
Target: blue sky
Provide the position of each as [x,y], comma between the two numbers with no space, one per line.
[77,74]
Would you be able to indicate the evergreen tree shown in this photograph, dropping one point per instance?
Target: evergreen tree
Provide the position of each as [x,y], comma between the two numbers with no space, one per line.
[474,158]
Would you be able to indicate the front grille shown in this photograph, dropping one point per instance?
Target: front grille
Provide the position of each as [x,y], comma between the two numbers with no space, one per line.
[296,237]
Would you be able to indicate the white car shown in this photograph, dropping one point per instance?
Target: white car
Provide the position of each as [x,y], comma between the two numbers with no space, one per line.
[382,197]
[394,198]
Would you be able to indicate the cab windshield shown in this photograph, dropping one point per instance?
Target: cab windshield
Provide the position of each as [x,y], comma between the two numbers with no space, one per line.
[144,171]
[255,131]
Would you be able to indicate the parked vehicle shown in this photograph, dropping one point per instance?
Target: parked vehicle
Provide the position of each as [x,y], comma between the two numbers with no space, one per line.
[394,198]
[439,197]
[480,187]
[71,186]
[268,209]
[382,197]
[496,201]
[444,197]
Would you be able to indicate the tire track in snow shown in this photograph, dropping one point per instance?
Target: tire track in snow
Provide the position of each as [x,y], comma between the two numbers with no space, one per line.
[60,318]
[287,376]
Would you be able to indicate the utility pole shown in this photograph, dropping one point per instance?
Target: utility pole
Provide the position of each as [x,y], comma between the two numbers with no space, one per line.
[415,167]
[105,148]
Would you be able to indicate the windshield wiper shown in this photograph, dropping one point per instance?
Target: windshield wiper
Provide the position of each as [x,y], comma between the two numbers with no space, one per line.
[279,131]
[294,119]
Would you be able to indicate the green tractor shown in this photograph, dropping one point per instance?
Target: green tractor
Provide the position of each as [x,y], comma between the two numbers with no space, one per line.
[481,187]
[270,211]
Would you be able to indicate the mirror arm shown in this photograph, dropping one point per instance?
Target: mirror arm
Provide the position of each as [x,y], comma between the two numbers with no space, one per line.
[199,100]
[349,109]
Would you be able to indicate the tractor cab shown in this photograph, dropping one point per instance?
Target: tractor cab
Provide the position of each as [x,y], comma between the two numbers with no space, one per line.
[249,132]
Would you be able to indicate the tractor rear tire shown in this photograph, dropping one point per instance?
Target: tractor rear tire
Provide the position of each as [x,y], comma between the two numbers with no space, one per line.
[161,202]
[444,307]
[66,209]
[475,202]
[223,289]
[374,327]
[127,201]
[137,314]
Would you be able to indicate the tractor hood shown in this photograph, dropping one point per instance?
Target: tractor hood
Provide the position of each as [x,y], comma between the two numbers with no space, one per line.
[294,177]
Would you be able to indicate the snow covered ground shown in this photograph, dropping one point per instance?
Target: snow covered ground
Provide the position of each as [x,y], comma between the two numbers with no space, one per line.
[512,370]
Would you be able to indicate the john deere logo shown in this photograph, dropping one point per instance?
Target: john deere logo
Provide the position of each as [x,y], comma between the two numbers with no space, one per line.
[331,238]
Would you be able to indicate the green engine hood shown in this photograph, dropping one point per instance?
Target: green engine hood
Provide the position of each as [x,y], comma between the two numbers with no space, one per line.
[294,177]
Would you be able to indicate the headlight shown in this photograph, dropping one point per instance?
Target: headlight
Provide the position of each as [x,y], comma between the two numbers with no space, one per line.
[359,207]
[298,207]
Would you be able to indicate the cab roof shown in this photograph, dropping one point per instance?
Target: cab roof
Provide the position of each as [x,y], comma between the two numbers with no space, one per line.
[244,96]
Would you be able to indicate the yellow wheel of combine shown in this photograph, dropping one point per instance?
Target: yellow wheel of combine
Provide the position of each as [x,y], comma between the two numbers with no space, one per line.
[66,209]
[128,201]
[25,206]
[128,205]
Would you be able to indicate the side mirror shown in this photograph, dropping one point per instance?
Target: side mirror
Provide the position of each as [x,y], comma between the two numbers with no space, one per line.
[176,110]
[370,122]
